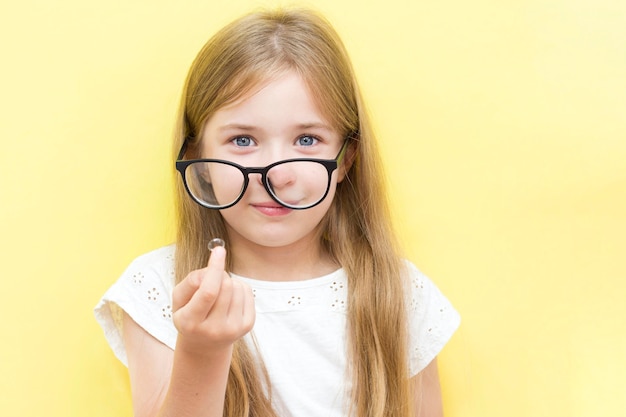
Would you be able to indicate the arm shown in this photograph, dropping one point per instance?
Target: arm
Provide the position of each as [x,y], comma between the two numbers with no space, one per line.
[211,312]
[428,392]
[148,381]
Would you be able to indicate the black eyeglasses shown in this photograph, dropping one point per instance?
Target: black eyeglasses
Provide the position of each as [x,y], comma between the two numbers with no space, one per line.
[299,183]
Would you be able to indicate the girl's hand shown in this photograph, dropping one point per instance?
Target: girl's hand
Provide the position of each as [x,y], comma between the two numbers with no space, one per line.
[211,310]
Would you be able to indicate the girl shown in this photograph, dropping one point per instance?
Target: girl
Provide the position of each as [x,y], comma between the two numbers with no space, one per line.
[309,311]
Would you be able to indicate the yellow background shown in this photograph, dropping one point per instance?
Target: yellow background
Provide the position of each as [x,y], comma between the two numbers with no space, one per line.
[503,126]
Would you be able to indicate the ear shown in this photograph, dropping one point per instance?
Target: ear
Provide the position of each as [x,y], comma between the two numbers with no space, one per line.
[347,161]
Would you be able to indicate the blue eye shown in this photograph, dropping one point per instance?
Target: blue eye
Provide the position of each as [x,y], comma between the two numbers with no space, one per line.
[307,140]
[242,141]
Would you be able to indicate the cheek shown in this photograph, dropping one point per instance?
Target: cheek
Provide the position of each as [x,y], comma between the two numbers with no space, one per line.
[227,183]
[324,206]
[341,172]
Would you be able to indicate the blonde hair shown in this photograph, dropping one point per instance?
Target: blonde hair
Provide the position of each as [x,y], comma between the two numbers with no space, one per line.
[356,230]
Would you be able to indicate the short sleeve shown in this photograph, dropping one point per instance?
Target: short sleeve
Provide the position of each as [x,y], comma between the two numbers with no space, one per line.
[432,320]
[144,292]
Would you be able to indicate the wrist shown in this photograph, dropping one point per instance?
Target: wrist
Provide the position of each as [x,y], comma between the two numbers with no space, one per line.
[201,351]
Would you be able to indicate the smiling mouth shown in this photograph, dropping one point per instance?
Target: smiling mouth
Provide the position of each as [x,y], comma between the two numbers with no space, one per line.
[271,204]
[272,209]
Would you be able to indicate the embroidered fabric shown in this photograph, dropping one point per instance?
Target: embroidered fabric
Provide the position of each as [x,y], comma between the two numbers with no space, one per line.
[299,328]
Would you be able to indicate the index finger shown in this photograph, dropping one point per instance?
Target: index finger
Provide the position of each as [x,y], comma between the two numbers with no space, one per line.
[184,291]
[217,259]
[208,292]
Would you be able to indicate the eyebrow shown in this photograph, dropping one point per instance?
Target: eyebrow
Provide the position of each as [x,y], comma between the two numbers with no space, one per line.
[245,127]
[314,125]
[236,126]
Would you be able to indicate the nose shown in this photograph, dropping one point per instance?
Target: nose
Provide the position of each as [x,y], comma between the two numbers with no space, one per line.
[257,177]
[281,176]
[271,155]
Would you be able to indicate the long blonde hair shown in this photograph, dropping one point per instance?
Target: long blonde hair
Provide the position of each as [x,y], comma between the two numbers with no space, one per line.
[356,230]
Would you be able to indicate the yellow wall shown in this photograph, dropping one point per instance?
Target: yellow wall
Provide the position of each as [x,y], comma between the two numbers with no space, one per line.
[504,128]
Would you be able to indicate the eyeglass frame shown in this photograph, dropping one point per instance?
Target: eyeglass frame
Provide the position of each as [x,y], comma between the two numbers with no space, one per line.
[330,164]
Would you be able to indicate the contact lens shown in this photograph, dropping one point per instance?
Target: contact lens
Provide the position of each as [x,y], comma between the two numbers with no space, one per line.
[213,243]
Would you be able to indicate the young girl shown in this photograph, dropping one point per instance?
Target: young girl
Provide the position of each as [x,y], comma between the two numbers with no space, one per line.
[308,310]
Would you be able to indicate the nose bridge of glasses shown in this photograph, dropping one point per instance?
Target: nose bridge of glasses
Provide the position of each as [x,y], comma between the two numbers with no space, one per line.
[257,173]
[274,175]
[255,170]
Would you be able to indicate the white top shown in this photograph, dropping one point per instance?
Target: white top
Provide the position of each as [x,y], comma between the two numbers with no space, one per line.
[300,328]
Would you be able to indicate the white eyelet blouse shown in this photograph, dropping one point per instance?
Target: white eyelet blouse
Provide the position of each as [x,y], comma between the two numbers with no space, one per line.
[299,329]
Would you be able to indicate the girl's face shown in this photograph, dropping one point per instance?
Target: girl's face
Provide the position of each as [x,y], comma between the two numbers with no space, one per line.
[279,121]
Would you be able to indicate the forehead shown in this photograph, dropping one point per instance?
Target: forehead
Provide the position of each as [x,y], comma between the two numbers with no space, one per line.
[286,98]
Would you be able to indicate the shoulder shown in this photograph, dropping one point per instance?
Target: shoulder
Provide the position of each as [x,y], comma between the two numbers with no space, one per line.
[421,289]
[431,316]
[150,273]
[159,261]
[144,292]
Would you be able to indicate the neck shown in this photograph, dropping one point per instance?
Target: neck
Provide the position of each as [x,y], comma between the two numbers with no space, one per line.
[298,261]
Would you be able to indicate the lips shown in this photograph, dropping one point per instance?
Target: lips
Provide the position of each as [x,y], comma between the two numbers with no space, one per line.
[271,209]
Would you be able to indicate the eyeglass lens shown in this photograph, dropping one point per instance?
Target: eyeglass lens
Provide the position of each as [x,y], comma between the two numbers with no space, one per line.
[296,184]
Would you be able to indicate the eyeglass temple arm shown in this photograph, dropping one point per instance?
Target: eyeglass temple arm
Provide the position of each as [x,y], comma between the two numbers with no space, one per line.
[342,152]
[183,149]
